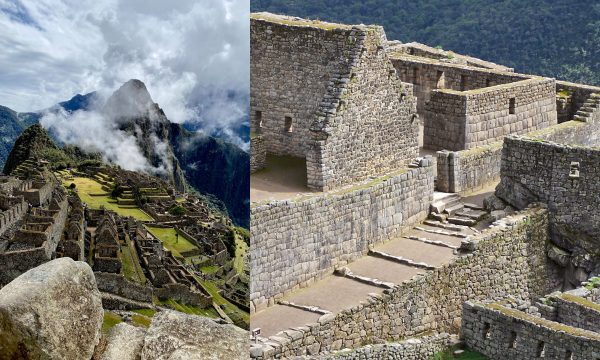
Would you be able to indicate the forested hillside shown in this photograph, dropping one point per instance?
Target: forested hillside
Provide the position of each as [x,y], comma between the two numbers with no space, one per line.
[554,38]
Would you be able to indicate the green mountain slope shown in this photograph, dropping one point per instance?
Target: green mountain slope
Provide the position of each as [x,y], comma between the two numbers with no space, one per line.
[547,37]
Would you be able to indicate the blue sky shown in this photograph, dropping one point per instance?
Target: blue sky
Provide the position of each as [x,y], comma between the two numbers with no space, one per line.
[191,54]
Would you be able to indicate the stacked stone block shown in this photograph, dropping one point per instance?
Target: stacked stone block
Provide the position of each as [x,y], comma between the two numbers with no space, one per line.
[509,259]
[295,242]
[258,153]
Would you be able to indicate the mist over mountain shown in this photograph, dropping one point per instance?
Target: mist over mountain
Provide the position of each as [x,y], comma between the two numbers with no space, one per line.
[130,130]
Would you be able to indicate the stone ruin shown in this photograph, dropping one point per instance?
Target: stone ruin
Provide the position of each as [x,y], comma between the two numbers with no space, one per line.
[427,179]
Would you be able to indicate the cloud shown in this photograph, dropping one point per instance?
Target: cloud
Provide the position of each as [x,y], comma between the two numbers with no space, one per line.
[192,55]
[96,133]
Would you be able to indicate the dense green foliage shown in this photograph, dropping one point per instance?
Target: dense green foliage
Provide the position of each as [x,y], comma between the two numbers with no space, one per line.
[547,37]
[201,157]
[11,126]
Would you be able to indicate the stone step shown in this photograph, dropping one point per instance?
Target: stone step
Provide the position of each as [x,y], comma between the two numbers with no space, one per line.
[431,242]
[583,113]
[476,215]
[580,118]
[441,232]
[438,217]
[401,260]
[438,224]
[474,207]
[459,220]
[451,210]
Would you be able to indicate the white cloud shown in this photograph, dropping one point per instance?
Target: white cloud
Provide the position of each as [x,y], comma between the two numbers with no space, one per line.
[192,55]
[93,132]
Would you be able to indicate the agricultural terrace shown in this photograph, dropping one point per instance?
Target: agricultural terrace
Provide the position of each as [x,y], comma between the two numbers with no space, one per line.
[96,196]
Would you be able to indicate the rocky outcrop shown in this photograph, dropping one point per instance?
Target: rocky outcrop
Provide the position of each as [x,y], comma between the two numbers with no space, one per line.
[53,311]
[123,342]
[176,336]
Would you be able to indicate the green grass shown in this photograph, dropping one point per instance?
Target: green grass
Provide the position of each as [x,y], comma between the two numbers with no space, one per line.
[209,270]
[187,309]
[449,355]
[131,267]
[90,191]
[168,237]
[110,320]
[241,248]
[230,309]
[146,312]
[141,321]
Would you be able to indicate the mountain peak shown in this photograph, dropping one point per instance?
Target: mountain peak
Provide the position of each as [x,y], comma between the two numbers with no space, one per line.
[132,99]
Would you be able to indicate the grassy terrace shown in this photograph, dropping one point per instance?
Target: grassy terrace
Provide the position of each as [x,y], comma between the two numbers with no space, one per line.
[169,239]
[90,191]
[241,248]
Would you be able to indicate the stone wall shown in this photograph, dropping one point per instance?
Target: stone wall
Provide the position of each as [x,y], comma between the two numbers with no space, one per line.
[577,312]
[427,75]
[183,294]
[15,210]
[350,116]
[290,68]
[457,120]
[423,348]
[296,241]
[117,284]
[469,170]
[563,176]
[509,259]
[577,95]
[500,333]
[258,153]
[369,127]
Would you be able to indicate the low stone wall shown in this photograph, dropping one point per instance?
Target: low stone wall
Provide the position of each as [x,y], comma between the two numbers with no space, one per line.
[509,260]
[577,96]
[499,333]
[564,177]
[258,153]
[423,348]
[183,294]
[118,285]
[297,241]
[460,120]
[468,170]
[577,312]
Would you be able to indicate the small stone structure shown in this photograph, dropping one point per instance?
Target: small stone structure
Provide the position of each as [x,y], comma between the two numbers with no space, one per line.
[316,86]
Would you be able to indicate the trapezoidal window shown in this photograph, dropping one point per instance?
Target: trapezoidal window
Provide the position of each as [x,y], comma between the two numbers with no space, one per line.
[512,342]
[289,127]
[511,106]
[440,81]
[464,82]
[258,119]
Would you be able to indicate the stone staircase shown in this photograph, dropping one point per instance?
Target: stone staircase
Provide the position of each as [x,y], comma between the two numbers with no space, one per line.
[449,209]
[588,109]
[431,244]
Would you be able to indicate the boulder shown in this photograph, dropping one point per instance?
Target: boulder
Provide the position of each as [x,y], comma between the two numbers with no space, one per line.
[123,342]
[53,311]
[177,336]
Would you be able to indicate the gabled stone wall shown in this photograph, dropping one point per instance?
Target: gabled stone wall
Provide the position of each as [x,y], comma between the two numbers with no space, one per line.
[291,67]
[370,126]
